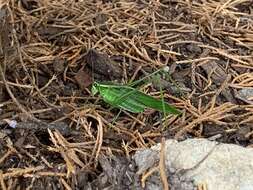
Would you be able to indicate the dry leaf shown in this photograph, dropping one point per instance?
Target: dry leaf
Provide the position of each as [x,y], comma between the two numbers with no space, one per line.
[83,79]
[217,72]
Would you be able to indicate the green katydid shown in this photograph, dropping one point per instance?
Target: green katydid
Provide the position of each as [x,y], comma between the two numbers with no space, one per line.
[130,99]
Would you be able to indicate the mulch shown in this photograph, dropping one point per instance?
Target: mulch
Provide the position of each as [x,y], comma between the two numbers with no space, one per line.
[55,135]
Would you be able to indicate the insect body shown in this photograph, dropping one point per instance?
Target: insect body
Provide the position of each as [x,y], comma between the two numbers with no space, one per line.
[130,99]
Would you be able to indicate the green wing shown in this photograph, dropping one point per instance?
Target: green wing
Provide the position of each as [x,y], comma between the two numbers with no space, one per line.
[154,103]
[132,100]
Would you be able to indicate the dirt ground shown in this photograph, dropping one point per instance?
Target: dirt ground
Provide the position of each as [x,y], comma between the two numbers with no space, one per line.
[55,135]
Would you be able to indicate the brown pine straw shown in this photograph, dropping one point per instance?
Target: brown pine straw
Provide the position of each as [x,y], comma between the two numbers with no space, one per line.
[243,81]
[3,186]
[162,166]
[16,172]
[148,174]
[69,150]
[65,184]
[6,155]
[99,140]
[142,36]
[58,174]
[202,186]
[23,110]
[215,115]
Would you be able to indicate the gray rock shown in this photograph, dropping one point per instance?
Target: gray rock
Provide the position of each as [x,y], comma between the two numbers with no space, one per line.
[246,95]
[196,162]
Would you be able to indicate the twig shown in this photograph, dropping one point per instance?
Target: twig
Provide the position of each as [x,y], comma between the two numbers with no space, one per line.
[3,186]
[162,167]
[148,174]
[13,97]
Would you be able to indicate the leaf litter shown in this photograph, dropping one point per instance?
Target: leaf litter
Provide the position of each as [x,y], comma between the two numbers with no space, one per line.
[52,50]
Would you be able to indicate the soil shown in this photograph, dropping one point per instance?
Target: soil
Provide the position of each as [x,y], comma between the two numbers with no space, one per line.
[54,134]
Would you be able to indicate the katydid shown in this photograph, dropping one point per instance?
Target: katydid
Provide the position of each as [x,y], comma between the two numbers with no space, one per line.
[130,99]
